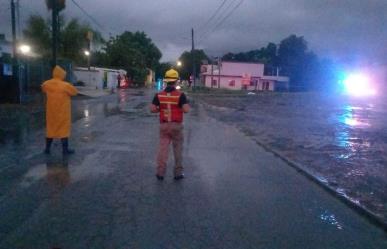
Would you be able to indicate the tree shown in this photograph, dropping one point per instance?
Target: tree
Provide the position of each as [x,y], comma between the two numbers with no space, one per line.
[186,60]
[134,52]
[305,70]
[37,34]
[72,39]
[266,55]
[61,4]
[228,57]
[161,68]
[293,59]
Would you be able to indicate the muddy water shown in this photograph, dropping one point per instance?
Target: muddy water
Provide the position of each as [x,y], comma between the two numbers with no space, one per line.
[342,140]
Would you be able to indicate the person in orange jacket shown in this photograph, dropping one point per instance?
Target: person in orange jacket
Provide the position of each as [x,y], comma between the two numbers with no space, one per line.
[58,109]
[171,104]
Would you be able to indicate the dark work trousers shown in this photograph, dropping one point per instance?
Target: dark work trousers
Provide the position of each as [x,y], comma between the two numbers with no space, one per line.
[170,132]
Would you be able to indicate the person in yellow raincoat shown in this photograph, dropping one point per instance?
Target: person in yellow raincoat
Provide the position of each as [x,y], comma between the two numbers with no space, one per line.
[58,109]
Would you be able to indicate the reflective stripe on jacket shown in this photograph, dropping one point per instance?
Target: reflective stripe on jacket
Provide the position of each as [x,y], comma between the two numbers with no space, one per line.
[169,107]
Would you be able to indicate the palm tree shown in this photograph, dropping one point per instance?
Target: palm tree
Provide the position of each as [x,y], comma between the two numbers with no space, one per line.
[60,4]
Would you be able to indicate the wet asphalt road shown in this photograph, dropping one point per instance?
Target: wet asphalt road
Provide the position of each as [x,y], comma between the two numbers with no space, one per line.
[235,194]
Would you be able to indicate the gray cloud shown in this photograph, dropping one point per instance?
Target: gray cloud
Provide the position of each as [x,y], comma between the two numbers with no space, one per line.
[335,28]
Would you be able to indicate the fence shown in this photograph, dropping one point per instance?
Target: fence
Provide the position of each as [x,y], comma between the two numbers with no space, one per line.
[30,74]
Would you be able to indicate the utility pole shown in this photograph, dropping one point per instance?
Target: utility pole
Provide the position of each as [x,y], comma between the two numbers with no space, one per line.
[193,59]
[89,38]
[18,17]
[219,62]
[54,32]
[13,15]
[15,64]
[212,72]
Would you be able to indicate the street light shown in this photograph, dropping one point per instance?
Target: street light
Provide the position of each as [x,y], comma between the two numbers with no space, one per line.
[179,64]
[24,49]
[87,53]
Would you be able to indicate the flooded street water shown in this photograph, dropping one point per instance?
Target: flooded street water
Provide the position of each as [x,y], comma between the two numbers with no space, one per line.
[235,194]
[342,141]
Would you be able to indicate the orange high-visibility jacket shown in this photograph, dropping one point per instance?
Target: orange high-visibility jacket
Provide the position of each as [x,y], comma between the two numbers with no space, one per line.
[169,107]
[58,105]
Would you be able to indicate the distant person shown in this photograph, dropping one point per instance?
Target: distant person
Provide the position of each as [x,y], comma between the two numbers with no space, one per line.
[126,80]
[119,80]
[171,104]
[58,109]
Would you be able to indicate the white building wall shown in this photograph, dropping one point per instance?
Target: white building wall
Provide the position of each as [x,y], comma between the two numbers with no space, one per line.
[112,79]
[235,71]
[224,82]
[92,78]
[239,69]
[95,77]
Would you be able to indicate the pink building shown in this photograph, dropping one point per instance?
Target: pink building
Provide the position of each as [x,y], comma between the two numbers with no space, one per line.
[241,75]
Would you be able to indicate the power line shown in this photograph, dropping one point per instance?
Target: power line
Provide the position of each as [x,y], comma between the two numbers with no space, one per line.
[221,22]
[87,14]
[182,36]
[213,15]
[230,8]
[229,14]
[207,29]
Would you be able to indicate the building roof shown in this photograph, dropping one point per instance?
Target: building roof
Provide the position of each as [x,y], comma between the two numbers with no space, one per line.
[242,62]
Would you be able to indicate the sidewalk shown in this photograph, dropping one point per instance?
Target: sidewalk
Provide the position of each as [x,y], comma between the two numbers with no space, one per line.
[92,92]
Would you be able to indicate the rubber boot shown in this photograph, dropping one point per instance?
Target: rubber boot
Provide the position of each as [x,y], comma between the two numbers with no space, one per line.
[65,146]
[48,145]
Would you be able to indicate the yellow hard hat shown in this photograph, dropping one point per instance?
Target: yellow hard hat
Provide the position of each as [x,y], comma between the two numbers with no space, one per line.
[171,75]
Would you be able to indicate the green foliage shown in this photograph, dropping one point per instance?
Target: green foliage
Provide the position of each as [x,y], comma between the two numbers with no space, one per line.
[266,55]
[186,60]
[297,62]
[60,4]
[73,41]
[134,52]
[99,59]
[72,38]
[292,57]
[161,68]
[37,34]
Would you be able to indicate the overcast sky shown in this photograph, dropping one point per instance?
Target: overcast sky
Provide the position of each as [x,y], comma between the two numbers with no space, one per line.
[333,28]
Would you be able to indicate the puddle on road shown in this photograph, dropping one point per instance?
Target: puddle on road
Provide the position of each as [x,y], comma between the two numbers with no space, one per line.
[17,122]
[331,219]
[90,137]
[55,170]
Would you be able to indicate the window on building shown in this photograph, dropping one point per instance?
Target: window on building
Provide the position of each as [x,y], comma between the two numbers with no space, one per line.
[231,83]
[214,83]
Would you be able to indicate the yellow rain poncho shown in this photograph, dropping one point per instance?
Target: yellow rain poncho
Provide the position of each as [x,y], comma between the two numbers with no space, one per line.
[58,106]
